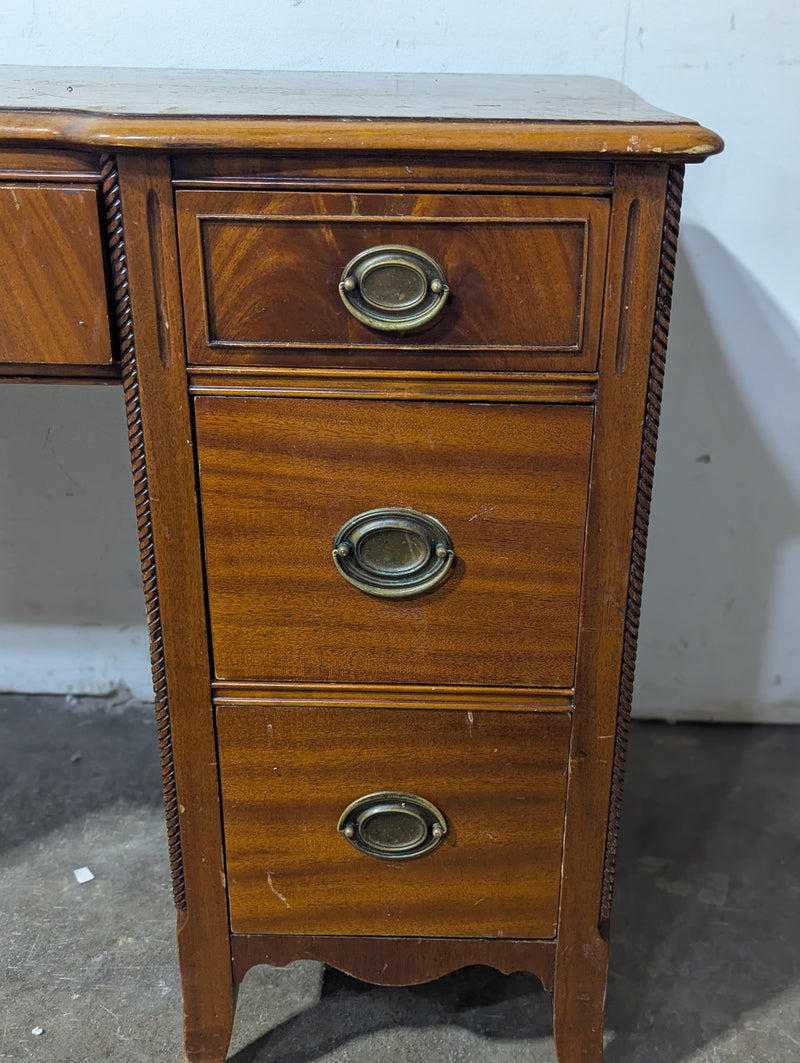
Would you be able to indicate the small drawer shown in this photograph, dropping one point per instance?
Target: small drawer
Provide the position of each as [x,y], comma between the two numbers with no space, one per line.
[280,478]
[53,303]
[262,271]
[498,780]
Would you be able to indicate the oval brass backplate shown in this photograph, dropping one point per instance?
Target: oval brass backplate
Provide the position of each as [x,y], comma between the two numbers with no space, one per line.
[392,552]
[392,825]
[393,288]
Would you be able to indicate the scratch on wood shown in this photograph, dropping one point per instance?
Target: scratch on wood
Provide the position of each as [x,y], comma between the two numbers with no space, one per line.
[277,893]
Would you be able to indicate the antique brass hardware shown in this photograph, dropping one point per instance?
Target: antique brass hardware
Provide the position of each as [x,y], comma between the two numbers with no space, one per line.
[392,825]
[393,288]
[393,553]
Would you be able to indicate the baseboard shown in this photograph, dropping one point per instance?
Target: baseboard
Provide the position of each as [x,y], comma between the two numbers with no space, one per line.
[74,659]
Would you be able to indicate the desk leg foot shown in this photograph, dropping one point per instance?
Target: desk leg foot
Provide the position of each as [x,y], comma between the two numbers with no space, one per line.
[579,1039]
[209,1002]
[578,1010]
[207,1037]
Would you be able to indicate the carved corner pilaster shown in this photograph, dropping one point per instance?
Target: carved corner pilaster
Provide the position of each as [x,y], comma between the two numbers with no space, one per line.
[655,384]
[121,305]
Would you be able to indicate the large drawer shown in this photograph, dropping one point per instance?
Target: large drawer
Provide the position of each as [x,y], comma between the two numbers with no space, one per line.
[498,778]
[280,476]
[261,273]
[53,302]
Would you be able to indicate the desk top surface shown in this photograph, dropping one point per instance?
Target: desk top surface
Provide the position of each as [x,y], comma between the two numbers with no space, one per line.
[185,109]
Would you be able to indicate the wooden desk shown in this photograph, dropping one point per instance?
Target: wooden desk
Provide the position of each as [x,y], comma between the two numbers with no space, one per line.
[392,350]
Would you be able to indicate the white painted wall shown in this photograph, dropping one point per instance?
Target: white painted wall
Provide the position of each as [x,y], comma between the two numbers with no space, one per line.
[719,636]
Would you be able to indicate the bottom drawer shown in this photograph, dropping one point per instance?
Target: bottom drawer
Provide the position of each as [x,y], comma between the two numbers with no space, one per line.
[498,778]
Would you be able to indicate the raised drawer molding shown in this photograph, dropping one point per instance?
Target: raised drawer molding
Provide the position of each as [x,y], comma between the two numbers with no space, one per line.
[525,275]
[392,350]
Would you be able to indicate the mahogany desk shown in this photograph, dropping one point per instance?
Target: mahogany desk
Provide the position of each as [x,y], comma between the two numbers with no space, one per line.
[392,351]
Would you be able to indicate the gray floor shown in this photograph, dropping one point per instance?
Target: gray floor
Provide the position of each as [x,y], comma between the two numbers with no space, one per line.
[706,957]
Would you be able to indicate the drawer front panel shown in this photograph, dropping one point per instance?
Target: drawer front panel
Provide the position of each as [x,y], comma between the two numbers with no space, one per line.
[279,478]
[498,778]
[261,273]
[53,305]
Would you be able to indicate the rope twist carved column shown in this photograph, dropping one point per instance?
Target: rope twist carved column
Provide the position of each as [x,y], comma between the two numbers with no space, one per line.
[655,385]
[130,381]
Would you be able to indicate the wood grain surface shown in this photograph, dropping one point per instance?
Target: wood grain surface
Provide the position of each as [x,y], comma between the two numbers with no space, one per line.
[432,385]
[498,778]
[394,696]
[583,946]
[183,109]
[48,164]
[278,478]
[261,272]
[159,425]
[114,91]
[394,960]
[524,419]
[398,170]
[53,301]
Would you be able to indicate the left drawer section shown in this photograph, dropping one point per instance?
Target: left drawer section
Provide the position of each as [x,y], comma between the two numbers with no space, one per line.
[53,296]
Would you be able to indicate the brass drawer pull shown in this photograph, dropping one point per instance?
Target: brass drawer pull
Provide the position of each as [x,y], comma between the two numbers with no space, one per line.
[392,825]
[393,553]
[393,288]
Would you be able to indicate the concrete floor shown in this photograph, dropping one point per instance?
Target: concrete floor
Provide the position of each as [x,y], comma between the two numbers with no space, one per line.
[705,964]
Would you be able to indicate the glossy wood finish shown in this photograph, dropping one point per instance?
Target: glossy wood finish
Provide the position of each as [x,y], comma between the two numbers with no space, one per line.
[498,778]
[53,302]
[279,477]
[164,480]
[261,272]
[183,110]
[42,164]
[114,91]
[394,696]
[398,170]
[431,385]
[524,656]
[677,143]
[394,960]
[582,951]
